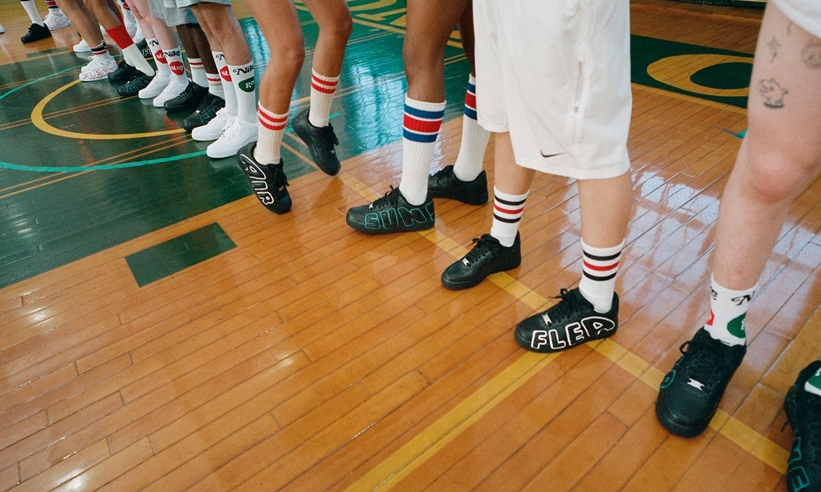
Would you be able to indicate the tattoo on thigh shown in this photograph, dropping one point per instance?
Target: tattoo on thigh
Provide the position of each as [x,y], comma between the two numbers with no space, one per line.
[811,54]
[773,46]
[772,92]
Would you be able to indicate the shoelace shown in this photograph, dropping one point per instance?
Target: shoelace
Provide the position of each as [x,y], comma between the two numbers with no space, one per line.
[232,129]
[391,198]
[708,365]
[564,309]
[439,174]
[484,246]
[330,136]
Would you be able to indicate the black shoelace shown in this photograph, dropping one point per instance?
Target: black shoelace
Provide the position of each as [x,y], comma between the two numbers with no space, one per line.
[485,245]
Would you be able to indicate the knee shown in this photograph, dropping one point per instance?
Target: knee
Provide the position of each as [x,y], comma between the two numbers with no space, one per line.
[291,57]
[420,55]
[776,176]
[340,30]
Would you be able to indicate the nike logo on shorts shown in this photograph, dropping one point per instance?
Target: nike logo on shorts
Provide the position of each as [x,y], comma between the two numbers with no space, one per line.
[548,156]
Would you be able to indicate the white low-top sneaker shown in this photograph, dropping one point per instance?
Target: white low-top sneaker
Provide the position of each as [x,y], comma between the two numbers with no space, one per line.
[56,19]
[81,47]
[213,129]
[98,68]
[156,87]
[172,90]
[235,136]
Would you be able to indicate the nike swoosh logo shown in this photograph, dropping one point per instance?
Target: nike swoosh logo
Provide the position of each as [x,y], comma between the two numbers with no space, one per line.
[548,156]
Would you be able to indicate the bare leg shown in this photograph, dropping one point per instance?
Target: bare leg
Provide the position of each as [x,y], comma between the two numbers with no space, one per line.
[780,155]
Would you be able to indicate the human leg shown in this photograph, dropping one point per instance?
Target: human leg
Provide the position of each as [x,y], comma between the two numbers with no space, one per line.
[313,125]
[779,157]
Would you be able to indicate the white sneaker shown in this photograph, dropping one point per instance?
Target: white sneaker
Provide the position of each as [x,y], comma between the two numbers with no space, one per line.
[1,29]
[56,19]
[98,69]
[81,47]
[235,136]
[172,90]
[155,88]
[213,129]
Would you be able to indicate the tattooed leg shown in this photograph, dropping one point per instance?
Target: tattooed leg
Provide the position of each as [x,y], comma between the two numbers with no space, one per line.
[780,154]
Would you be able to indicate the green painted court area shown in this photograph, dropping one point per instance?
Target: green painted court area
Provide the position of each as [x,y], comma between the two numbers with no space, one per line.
[179,253]
[82,170]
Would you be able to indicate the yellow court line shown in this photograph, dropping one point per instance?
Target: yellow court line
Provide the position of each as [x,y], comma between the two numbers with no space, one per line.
[39,121]
[428,442]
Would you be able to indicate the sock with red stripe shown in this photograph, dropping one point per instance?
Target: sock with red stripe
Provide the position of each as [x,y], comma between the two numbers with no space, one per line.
[271,128]
[215,85]
[421,125]
[599,268]
[728,309]
[52,5]
[198,75]
[474,139]
[227,83]
[322,95]
[507,213]
[242,78]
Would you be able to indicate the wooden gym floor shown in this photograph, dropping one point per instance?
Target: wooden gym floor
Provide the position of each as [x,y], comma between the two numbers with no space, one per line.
[160,330]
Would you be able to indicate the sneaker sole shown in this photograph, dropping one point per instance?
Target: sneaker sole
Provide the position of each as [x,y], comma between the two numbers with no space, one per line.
[680,430]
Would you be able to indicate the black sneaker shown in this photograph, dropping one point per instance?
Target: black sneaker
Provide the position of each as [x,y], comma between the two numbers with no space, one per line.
[145,50]
[804,414]
[691,391]
[487,257]
[123,74]
[392,213]
[204,113]
[267,180]
[36,33]
[320,142]
[135,85]
[188,99]
[571,322]
[444,184]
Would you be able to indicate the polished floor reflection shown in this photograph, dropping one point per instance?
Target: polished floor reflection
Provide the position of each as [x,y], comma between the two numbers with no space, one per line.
[160,330]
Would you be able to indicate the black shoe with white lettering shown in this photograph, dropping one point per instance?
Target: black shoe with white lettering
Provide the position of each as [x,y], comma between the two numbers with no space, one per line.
[392,213]
[691,391]
[570,322]
[804,414]
[488,256]
[267,180]
[444,184]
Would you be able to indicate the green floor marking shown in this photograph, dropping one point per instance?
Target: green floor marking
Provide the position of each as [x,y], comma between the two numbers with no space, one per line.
[179,253]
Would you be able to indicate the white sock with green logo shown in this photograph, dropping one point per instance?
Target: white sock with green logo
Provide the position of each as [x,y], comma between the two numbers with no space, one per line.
[242,76]
[813,385]
[728,309]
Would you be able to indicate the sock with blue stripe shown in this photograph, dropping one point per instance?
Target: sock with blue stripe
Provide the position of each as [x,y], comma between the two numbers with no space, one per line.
[474,139]
[420,129]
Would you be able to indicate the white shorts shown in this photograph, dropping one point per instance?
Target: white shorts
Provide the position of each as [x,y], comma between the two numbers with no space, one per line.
[556,75]
[805,13]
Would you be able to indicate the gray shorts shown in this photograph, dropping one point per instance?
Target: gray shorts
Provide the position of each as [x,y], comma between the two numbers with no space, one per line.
[172,15]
